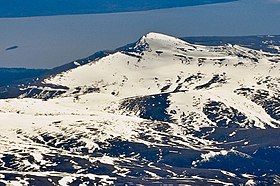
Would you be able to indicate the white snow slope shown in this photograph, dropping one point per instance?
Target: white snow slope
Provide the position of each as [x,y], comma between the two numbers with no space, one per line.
[154,95]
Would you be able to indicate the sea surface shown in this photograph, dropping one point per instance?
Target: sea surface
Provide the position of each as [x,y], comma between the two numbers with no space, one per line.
[31,8]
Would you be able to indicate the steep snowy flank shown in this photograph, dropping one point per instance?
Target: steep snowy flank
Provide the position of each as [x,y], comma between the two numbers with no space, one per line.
[160,111]
[187,78]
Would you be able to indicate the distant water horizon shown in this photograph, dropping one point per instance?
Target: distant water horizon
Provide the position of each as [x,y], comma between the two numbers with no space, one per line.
[47,42]
[33,8]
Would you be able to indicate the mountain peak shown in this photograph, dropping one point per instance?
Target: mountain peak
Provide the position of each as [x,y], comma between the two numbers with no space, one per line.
[159,41]
[155,36]
[160,104]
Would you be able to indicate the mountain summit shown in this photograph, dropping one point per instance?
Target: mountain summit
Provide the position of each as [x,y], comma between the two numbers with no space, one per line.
[159,111]
[189,76]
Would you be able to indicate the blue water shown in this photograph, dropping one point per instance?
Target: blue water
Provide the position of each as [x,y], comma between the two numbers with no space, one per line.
[27,8]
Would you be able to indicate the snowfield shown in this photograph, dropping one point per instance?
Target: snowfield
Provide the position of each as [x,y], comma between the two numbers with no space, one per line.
[161,111]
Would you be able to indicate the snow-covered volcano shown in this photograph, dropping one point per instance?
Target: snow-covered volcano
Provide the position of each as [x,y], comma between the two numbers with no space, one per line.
[158,111]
